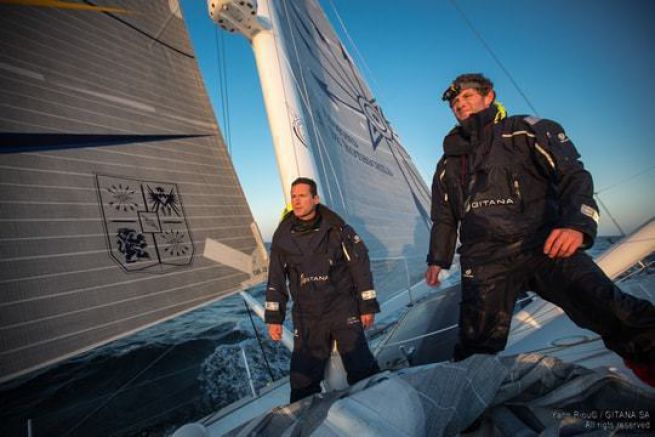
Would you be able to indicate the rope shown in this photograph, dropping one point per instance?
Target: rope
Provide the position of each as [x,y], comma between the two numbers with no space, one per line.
[221,74]
[495,58]
[352,43]
[602,204]
[259,341]
[609,187]
[418,337]
[225,95]
[614,185]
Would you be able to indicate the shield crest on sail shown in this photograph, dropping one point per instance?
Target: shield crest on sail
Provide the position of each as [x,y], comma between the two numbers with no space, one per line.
[145,224]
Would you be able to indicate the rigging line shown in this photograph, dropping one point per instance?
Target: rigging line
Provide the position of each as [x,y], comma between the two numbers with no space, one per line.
[139,424]
[219,81]
[220,54]
[352,43]
[259,341]
[348,82]
[493,55]
[602,205]
[120,389]
[609,187]
[98,397]
[225,94]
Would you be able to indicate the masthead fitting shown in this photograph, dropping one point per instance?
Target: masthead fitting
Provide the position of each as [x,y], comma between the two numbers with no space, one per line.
[235,16]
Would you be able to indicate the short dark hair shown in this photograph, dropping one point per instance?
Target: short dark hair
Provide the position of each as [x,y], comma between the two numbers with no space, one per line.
[468,80]
[306,181]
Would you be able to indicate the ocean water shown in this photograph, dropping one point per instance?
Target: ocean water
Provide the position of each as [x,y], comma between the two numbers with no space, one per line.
[152,382]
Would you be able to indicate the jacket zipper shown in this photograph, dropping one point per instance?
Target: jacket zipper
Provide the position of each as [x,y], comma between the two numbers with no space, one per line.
[517,191]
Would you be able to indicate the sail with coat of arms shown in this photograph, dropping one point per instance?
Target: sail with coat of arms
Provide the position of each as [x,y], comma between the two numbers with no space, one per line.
[114,178]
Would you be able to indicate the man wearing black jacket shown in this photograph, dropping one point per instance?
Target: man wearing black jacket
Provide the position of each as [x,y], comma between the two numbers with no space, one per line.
[525,210]
[327,267]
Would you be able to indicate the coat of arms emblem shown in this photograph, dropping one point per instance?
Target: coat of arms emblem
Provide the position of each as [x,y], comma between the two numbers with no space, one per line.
[145,224]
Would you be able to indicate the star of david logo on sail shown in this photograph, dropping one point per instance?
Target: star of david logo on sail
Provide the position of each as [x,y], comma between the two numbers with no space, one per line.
[345,88]
[145,224]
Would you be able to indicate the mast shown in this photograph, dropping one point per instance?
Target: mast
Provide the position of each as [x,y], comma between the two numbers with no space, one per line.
[258,22]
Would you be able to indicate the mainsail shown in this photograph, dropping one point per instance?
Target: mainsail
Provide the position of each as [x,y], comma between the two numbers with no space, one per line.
[363,172]
[114,176]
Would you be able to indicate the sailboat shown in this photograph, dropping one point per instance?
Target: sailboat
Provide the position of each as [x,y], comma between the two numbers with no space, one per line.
[120,205]
[434,400]
[123,209]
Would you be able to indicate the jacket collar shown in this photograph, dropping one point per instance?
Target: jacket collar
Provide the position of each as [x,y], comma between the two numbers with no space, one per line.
[463,138]
[301,226]
[478,121]
[327,217]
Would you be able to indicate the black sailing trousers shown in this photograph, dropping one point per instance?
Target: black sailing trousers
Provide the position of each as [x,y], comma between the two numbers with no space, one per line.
[313,346]
[575,284]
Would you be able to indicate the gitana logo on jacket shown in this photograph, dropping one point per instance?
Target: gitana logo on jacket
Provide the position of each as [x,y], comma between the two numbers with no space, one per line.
[491,202]
[312,278]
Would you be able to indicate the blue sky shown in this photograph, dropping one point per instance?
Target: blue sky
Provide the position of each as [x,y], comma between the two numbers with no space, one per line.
[589,64]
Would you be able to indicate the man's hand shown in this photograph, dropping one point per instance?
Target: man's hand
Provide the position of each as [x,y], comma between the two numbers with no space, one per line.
[367,320]
[563,242]
[432,275]
[275,332]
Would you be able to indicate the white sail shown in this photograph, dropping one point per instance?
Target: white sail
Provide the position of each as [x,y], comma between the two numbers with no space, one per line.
[321,110]
[113,175]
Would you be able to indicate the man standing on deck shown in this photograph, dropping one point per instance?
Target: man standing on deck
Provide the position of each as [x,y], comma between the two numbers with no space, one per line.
[525,209]
[326,264]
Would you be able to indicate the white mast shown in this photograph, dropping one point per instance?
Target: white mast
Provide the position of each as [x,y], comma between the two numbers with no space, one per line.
[259,24]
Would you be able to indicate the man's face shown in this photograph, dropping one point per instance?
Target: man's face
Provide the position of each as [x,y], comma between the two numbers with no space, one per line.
[470,102]
[302,202]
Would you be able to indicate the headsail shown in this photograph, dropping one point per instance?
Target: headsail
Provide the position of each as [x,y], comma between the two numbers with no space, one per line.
[366,175]
[113,176]
[363,172]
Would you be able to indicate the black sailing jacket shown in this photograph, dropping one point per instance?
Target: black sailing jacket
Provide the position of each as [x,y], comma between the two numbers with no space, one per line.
[507,183]
[327,267]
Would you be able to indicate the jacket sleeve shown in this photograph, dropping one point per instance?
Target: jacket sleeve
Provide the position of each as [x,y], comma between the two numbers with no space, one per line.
[356,255]
[443,236]
[577,208]
[276,288]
